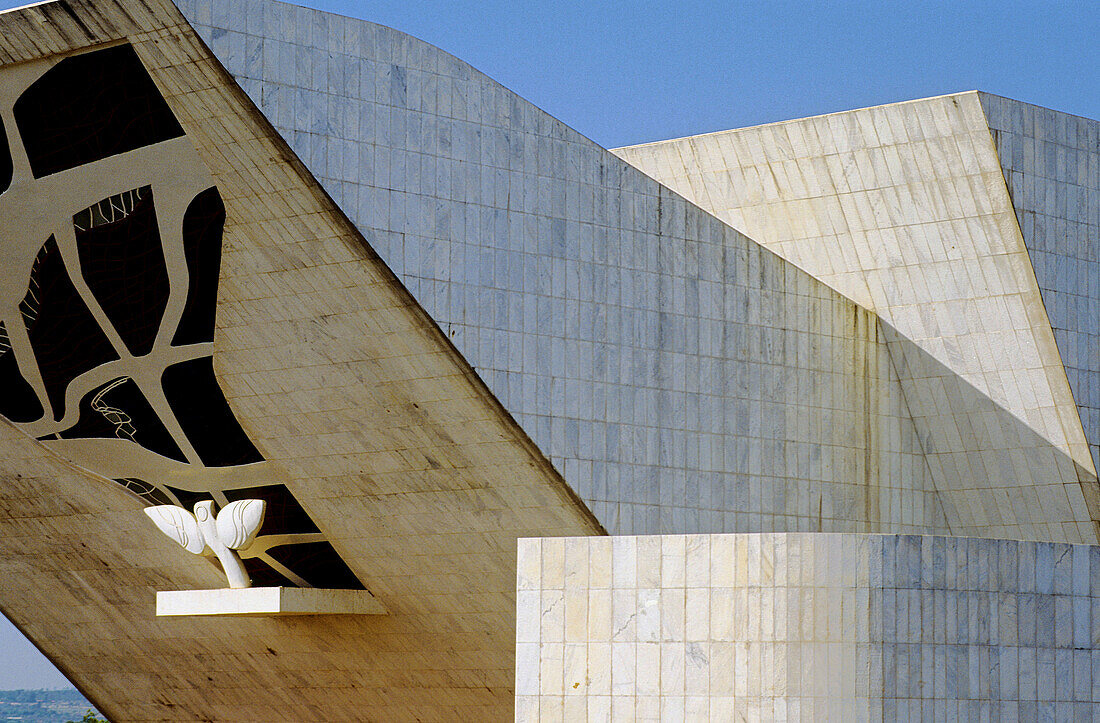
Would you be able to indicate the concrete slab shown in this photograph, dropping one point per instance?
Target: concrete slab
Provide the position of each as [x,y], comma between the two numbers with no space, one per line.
[266,601]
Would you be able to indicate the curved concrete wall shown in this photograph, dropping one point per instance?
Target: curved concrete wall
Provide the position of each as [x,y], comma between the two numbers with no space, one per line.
[681,377]
[372,420]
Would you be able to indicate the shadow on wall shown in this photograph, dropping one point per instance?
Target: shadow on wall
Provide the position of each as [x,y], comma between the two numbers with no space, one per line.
[996,477]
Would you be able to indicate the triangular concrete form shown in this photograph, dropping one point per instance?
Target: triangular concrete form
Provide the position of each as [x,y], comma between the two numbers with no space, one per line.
[904,209]
[1051,163]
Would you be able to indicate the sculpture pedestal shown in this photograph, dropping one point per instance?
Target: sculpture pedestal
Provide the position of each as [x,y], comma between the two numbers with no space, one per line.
[267,601]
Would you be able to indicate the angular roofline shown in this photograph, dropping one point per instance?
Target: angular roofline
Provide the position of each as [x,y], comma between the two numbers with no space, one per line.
[795,120]
[912,101]
[1035,105]
[25,7]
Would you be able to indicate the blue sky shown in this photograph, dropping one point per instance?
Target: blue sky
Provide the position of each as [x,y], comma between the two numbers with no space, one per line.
[632,72]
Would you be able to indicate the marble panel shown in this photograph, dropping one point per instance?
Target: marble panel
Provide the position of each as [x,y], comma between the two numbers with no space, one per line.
[868,636]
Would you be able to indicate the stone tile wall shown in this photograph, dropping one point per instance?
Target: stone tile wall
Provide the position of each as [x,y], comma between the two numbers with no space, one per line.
[903,208]
[678,375]
[806,626]
[1051,163]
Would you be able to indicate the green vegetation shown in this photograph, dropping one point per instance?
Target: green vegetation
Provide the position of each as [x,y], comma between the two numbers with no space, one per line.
[89,717]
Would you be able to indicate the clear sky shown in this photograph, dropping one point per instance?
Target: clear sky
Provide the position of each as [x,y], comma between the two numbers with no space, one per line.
[632,72]
[21,665]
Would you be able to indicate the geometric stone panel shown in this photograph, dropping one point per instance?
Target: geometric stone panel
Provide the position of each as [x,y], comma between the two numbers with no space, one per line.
[1051,165]
[806,627]
[904,209]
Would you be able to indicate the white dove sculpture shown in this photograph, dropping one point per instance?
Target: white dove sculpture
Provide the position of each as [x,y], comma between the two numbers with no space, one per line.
[234,528]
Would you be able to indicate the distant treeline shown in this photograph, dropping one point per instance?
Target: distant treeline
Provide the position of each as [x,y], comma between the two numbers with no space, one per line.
[52,696]
[43,706]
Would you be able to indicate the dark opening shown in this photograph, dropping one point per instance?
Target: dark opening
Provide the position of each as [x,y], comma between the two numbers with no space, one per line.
[18,402]
[6,166]
[284,515]
[318,564]
[203,223]
[66,338]
[122,261]
[89,107]
[264,575]
[119,410]
[197,400]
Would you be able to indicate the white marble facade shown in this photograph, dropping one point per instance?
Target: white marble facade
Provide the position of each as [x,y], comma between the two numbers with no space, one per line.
[904,208]
[843,627]
[684,379]
[678,375]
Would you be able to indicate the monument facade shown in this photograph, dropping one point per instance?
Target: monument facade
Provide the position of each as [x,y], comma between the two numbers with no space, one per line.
[789,421]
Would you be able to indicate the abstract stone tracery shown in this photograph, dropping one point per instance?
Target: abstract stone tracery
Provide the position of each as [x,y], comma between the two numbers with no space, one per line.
[108,359]
[119,410]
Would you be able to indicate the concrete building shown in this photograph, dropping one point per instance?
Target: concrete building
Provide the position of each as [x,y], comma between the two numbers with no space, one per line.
[813,405]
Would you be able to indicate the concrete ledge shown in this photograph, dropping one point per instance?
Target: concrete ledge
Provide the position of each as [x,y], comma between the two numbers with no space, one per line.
[267,601]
